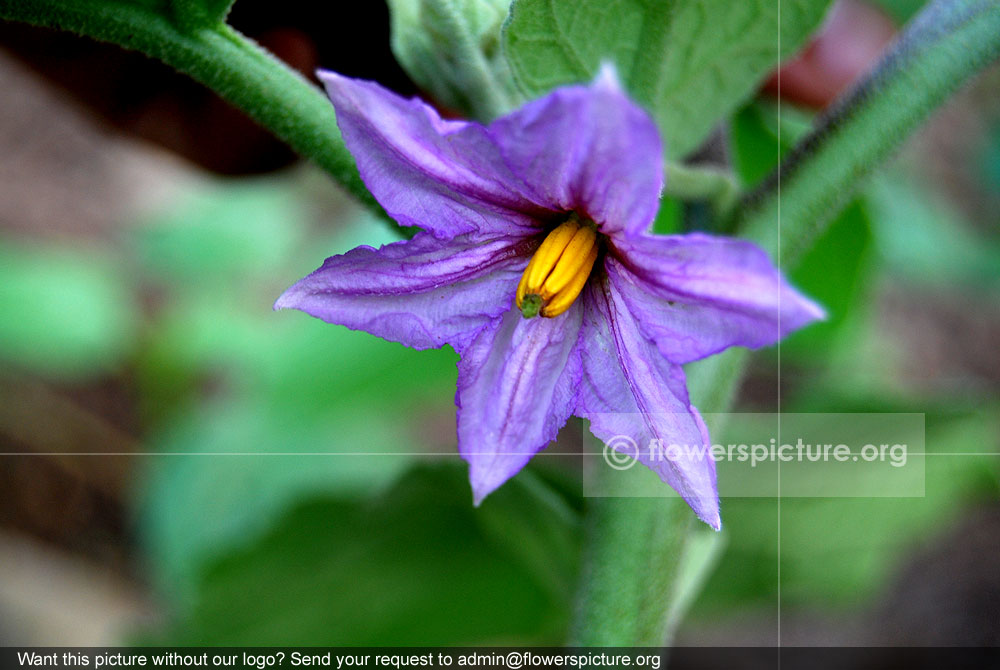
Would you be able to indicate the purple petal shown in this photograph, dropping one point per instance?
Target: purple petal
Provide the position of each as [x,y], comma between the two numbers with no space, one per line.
[629,389]
[446,177]
[516,389]
[588,148]
[422,292]
[695,295]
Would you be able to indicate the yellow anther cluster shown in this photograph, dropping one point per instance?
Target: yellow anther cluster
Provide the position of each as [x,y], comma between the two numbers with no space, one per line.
[559,269]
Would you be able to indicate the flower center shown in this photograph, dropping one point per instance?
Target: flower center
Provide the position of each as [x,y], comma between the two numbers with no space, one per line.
[559,269]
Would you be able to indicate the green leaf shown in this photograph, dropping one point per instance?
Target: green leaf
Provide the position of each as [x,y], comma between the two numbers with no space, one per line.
[67,312]
[702,552]
[690,62]
[451,48]
[863,540]
[901,10]
[246,228]
[669,217]
[761,134]
[294,386]
[222,374]
[214,494]
[418,565]
[755,143]
[922,238]
[281,354]
[834,273]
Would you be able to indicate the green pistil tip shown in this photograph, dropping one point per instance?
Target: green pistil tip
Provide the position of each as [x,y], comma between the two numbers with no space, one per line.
[531,305]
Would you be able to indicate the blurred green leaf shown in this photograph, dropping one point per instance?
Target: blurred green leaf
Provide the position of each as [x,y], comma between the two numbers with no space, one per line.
[298,362]
[227,231]
[451,48]
[669,218]
[418,565]
[901,10]
[231,469]
[835,273]
[294,385]
[870,537]
[690,62]
[921,238]
[755,147]
[702,550]
[223,373]
[839,552]
[67,311]
[762,134]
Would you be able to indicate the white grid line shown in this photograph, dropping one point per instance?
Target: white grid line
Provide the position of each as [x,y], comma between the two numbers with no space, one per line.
[779,330]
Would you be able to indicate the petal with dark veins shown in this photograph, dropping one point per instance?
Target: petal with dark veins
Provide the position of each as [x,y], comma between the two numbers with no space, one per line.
[590,149]
[629,390]
[446,177]
[516,388]
[695,295]
[423,292]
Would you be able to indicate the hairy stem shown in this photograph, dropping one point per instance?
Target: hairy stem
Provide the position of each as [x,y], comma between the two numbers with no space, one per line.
[944,46]
[634,548]
[714,185]
[222,59]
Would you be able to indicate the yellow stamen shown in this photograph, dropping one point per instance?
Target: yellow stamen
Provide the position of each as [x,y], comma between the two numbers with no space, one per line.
[558,271]
[548,254]
[564,299]
[572,261]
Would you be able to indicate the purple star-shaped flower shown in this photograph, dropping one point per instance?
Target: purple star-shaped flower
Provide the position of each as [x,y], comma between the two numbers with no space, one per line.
[535,263]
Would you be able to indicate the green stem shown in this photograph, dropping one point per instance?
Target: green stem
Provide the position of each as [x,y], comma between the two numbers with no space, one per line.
[634,549]
[223,60]
[633,589]
[634,555]
[947,43]
[717,186]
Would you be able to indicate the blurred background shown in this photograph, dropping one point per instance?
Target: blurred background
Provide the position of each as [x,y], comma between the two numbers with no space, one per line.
[166,474]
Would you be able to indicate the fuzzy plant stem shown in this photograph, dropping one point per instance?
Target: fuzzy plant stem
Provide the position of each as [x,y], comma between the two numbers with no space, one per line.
[211,52]
[634,557]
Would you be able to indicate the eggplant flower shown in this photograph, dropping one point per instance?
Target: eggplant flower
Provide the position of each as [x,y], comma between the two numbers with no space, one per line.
[535,262]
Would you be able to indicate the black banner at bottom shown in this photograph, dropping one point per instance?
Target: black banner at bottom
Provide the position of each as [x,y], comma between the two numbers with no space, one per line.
[502,658]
